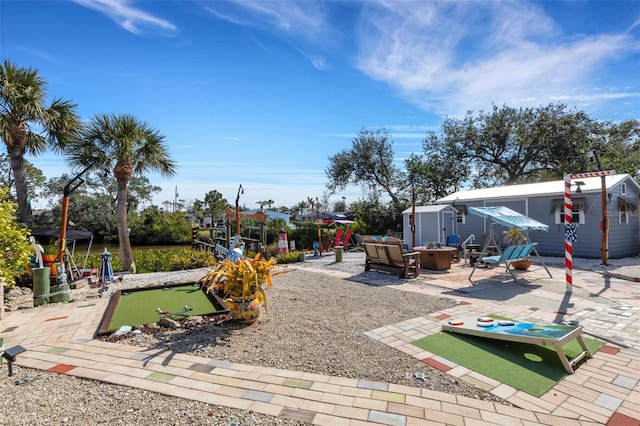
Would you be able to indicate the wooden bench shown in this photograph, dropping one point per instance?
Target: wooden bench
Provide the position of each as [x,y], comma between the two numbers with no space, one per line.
[390,258]
[510,254]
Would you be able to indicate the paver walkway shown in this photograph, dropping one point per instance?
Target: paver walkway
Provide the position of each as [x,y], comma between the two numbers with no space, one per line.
[604,390]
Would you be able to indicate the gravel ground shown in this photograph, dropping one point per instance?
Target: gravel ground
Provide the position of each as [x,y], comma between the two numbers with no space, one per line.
[315,323]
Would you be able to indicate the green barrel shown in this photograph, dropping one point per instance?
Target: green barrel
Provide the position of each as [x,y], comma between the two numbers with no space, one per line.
[61,291]
[41,284]
[302,257]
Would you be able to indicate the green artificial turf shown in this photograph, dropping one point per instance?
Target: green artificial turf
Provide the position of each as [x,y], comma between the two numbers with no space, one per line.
[530,368]
[140,307]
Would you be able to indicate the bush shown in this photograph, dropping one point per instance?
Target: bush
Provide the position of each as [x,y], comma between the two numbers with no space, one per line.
[159,260]
[291,257]
[14,242]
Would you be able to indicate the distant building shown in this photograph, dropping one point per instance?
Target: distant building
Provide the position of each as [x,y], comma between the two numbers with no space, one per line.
[272,214]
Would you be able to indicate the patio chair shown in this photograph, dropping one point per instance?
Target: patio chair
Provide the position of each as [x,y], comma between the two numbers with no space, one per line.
[346,241]
[453,240]
[488,246]
[359,246]
[338,240]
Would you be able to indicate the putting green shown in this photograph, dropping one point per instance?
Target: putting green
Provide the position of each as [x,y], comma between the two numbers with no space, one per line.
[530,368]
[140,306]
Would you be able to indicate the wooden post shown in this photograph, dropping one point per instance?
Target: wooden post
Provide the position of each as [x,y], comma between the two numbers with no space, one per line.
[413,220]
[569,212]
[318,222]
[62,236]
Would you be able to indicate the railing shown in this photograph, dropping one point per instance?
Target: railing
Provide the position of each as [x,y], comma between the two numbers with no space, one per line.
[470,239]
[201,245]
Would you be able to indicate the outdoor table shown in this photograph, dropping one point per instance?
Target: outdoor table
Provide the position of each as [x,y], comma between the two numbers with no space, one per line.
[436,259]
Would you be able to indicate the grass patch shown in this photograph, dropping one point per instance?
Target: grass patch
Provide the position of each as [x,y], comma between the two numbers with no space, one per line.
[530,368]
[140,307]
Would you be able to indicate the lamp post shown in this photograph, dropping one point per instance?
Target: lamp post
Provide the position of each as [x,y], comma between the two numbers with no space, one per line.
[240,191]
[68,189]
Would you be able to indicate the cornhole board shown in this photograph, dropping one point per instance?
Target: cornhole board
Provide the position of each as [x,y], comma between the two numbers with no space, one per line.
[555,335]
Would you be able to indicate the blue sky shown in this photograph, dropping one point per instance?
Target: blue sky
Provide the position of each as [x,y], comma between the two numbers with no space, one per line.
[262,93]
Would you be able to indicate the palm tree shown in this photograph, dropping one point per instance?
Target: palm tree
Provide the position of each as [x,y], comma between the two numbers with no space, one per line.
[22,105]
[215,204]
[126,146]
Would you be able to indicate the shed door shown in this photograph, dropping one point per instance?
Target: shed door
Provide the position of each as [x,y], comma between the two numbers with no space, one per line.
[448,224]
[429,229]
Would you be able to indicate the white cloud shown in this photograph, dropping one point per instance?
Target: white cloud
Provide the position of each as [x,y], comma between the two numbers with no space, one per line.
[129,18]
[305,19]
[452,57]
[300,22]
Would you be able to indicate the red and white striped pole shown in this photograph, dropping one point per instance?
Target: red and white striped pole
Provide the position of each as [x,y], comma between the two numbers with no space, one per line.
[568,242]
[568,217]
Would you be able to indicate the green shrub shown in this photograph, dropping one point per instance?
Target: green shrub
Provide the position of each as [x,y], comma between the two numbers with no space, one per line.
[14,242]
[158,260]
[188,258]
[291,257]
[272,249]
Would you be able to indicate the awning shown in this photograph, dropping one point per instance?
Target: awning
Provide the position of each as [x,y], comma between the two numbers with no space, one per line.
[509,218]
[576,203]
[72,234]
[625,204]
[330,222]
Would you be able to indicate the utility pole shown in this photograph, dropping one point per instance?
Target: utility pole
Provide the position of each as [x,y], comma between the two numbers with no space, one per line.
[175,199]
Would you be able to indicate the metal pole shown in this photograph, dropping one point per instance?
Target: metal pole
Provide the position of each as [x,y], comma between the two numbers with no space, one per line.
[68,189]
[413,215]
[238,210]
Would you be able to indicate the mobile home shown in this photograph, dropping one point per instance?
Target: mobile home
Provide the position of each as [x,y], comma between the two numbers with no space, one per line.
[544,202]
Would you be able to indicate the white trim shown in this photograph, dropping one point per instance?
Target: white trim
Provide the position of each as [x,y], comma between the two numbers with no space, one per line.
[517,192]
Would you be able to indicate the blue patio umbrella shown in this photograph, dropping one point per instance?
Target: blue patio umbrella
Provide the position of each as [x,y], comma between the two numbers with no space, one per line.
[106,270]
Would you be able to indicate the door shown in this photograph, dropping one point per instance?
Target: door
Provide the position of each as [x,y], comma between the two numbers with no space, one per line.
[448,221]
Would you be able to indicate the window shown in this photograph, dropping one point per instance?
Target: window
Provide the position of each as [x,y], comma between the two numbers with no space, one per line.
[462,213]
[623,188]
[625,209]
[623,215]
[579,207]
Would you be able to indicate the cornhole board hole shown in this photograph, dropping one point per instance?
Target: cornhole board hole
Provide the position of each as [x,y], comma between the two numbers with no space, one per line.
[140,306]
[554,335]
